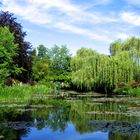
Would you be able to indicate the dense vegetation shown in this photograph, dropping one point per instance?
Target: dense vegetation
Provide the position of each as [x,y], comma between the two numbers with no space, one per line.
[22,59]
[50,64]
[91,70]
[7,52]
[56,67]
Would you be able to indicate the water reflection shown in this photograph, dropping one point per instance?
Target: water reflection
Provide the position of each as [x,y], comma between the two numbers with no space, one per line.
[71,123]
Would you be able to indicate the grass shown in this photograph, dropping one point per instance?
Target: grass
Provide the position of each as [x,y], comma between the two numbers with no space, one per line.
[21,93]
[135,92]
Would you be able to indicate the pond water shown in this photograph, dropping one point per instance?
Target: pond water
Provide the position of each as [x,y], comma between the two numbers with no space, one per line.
[76,119]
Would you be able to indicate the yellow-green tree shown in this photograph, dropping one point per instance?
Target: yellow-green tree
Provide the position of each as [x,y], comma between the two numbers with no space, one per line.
[92,71]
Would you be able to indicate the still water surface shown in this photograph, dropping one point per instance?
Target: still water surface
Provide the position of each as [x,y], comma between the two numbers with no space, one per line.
[78,120]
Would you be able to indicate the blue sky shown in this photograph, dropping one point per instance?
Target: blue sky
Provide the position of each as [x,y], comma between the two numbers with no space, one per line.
[76,23]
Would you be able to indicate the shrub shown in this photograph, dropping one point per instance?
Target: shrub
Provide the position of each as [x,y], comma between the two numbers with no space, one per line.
[123,88]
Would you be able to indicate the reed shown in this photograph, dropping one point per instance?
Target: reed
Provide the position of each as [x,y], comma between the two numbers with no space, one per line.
[21,93]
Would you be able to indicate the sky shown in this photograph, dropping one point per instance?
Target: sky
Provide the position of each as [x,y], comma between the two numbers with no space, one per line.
[92,24]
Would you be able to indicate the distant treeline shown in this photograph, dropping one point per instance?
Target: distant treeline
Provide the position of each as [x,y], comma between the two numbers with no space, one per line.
[87,70]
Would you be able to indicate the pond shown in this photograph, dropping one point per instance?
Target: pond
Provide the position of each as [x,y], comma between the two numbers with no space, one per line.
[71,118]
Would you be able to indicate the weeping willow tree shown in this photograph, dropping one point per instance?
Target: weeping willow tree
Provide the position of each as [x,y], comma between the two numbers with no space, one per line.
[131,45]
[116,47]
[91,71]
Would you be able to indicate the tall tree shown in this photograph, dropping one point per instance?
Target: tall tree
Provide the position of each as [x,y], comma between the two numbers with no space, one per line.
[100,72]
[51,62]
[132,46]
[22,59]
[7,53]
[116,47]
[60,60]
[40,62]
[42,50]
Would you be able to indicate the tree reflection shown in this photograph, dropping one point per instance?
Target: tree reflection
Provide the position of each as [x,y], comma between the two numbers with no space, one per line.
[58,118]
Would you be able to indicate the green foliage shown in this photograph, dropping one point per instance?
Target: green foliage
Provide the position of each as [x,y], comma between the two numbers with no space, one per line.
[60,60]
[7,52]
[115,48]
[33,54]
[132,45]
[51,64]
[84,52]
[39,68]
[40,62]
[93,71]
[49,84]
[42,51]
[21,92]
[96,71]
[135,92]
[64,82]
[22,58]
[126,89]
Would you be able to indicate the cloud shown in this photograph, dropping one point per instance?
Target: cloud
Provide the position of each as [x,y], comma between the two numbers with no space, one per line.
[74,18]
[27,12]
[62,14]
[69,10]
[84,32]
[131,18]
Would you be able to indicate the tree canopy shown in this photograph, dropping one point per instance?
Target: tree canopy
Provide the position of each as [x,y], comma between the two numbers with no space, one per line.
[87,70]
[22,58]
[8,51]
[50,62]
[93,71]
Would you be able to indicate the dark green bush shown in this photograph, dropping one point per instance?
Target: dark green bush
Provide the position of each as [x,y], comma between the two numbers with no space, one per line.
[123,89]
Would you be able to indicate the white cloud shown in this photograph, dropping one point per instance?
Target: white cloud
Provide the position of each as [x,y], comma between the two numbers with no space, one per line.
[39,12]
[84,32]
[67,16]
[131,18]
[73,12]
[27,12]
